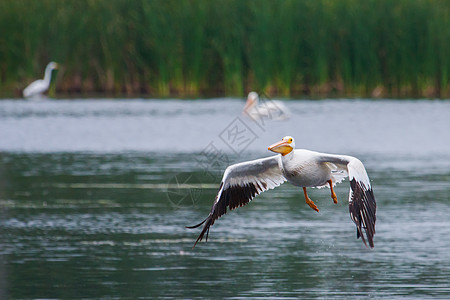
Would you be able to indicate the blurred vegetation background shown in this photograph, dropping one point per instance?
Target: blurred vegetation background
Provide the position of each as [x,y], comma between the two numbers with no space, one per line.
[211,48]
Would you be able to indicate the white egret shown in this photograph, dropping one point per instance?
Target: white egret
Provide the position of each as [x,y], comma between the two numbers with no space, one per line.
[36,88]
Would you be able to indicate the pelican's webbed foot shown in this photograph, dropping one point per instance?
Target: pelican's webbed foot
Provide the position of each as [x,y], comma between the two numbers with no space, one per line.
[333,195]
[309,201]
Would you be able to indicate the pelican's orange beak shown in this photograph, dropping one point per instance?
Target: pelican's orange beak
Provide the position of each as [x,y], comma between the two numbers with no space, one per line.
[283,147]
[248,104]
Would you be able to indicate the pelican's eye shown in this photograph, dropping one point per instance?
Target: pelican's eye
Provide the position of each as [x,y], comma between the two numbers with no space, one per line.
[290,140]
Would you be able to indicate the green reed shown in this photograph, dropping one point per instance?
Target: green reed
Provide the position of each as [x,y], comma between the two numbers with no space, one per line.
[191,48]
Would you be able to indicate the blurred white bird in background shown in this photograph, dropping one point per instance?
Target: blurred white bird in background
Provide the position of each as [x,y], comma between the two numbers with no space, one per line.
[36,88]
[269,109]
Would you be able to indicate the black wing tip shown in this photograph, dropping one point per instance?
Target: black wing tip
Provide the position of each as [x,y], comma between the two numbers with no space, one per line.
[198,225]
[359,234]
[370,232]
[230,198]
[363,211]
[205,229]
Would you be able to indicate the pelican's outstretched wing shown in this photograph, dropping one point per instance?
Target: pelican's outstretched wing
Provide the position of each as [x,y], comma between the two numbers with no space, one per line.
[240,184]
[362,205]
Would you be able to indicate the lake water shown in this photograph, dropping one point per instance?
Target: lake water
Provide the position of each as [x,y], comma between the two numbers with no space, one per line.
[95,196]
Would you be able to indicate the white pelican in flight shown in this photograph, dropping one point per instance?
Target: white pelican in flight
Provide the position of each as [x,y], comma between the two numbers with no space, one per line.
[271,109]
[36,88]
[303,168]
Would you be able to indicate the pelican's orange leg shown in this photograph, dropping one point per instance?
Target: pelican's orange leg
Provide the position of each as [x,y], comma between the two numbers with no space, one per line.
[333,195]
[309,201]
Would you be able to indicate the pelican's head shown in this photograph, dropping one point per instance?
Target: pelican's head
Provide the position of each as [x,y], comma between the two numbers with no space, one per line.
[252,100]
[285,146]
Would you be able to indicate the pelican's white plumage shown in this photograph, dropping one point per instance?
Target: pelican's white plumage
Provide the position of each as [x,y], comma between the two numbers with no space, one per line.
[243,181]
[272,110]
[36,88]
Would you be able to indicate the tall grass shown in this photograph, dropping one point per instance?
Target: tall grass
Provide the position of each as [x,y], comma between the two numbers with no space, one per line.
[191,48]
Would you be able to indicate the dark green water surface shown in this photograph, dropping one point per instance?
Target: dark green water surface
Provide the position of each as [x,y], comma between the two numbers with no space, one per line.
[109,223]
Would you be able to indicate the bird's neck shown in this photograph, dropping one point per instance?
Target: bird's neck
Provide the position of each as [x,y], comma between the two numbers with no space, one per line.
[48,74]
[249,106]
[288,157]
